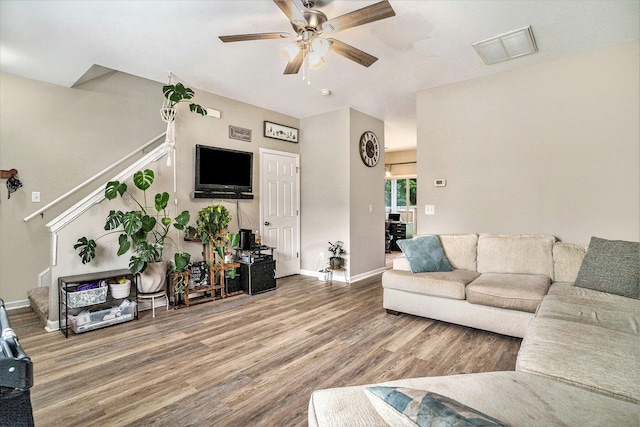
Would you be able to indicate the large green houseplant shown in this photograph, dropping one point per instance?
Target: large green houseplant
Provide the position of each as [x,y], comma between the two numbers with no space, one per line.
[144,231]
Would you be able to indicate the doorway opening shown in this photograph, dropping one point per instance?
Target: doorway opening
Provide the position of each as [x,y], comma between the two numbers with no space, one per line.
[400,199]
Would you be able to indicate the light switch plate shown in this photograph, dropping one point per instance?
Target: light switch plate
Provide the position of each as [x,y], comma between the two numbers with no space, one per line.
[429,209]
[35,197]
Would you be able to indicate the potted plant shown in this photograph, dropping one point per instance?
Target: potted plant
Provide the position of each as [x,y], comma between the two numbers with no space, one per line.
[145,231]
[212,227]
[336,261]
[174,94]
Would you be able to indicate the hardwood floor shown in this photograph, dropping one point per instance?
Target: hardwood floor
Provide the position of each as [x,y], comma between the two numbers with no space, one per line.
[245,360]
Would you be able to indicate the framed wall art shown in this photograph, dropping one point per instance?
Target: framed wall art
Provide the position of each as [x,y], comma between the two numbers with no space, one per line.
[242,134]
[282,132]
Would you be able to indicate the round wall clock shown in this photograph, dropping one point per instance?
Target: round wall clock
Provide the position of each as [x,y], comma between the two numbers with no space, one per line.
[369,149]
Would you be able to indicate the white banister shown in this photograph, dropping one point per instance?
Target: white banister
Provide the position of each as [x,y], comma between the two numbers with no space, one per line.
[98,194]
[93,178]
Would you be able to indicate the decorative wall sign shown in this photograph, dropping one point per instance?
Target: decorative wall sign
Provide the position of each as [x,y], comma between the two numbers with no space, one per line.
[242,134]
[276,131]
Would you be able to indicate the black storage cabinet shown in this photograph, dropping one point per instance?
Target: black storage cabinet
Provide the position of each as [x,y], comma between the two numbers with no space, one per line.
[398,231]
[258,276]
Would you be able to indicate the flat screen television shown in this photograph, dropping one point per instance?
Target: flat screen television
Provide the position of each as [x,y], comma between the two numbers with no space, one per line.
[223,170]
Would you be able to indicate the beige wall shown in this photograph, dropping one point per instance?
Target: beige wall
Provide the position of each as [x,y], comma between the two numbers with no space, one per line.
[337,190]
[57,137]
[551,148]
[324,180]
[367,213]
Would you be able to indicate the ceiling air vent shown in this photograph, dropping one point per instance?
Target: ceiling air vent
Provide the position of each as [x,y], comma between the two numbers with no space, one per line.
[506,46]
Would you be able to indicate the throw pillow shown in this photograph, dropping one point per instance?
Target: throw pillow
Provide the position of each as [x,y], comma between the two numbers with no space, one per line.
[611,266]
[431,409]
[425,254]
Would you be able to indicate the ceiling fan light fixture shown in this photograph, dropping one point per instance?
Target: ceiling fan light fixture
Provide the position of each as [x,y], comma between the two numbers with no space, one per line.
[506,46]
[291,50]
[315,60]
[320,46]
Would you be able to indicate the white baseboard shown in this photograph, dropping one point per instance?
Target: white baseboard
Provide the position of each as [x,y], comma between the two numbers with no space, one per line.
[52,326]
[341,277]
[16,304]
[368,274]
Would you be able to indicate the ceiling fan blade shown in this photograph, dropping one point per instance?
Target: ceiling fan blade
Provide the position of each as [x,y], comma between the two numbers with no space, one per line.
[292,11]
[375,12]
[257,36]
[294,65]
[350,52]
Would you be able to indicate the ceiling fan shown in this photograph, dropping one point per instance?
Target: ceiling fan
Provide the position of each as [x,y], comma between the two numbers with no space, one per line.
[311,25]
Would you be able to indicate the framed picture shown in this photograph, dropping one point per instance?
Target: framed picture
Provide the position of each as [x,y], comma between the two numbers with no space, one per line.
[242,134]
[276,131]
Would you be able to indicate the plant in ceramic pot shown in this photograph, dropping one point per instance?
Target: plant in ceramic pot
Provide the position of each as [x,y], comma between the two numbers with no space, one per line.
[146,232]
[336,261]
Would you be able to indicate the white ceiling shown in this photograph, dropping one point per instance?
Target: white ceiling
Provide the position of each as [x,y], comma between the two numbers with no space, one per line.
[427,44]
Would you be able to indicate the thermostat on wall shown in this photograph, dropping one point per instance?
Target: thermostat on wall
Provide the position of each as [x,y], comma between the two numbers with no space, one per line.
[440,182]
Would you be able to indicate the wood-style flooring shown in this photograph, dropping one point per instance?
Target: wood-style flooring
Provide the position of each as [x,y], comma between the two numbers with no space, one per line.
[245,360]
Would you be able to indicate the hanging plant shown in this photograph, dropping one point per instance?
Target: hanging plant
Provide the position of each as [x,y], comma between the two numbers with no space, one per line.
[174,94]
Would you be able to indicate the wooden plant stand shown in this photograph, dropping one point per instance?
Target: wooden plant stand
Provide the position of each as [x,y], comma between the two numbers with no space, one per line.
[216,288]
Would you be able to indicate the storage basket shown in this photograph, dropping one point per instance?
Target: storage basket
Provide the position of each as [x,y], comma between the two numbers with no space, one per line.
[120,290]
[84,298]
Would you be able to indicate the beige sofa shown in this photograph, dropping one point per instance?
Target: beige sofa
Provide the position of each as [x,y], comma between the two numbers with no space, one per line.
[578,365]
[497,283]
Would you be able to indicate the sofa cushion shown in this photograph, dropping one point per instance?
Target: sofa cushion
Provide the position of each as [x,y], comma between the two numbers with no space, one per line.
[598,359]
[611,266]
[516,398]
[448,284]
[520,254]
[569,289]
[567,258]
[522,292]
[428,409]
[401,263]
[425,254]
[600,312]
[461,250]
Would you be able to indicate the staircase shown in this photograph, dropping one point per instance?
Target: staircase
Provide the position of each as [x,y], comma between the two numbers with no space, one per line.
[39,302]
[39,297]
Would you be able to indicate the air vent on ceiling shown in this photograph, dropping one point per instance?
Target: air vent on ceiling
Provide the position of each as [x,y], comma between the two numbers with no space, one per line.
[506,46]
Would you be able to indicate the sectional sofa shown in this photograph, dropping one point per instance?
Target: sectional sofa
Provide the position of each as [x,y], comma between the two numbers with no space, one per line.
[579,361]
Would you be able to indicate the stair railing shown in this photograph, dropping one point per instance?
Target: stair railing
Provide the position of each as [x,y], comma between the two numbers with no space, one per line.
[93,178]
[95,197]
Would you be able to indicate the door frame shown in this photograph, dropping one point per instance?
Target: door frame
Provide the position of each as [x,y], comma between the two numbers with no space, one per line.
[263,190]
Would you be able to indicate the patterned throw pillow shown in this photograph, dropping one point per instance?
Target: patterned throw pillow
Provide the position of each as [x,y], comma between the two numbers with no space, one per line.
[431,409]
[611,266]
[425,254]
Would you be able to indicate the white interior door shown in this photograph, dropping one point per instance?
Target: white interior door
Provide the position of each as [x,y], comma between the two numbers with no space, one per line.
[280,208]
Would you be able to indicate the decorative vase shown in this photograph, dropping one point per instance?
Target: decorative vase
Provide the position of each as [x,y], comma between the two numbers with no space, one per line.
[153,278]
[120,290]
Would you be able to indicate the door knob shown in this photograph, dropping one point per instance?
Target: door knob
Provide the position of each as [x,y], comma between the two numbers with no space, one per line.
[267,223]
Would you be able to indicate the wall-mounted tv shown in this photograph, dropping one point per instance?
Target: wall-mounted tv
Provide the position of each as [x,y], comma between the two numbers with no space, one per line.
[223,170]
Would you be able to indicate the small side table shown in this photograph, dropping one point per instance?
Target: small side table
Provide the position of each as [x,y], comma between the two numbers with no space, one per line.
[342,269]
